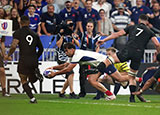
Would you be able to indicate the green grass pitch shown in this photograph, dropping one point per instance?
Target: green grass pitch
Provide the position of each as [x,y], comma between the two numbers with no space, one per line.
[47,104]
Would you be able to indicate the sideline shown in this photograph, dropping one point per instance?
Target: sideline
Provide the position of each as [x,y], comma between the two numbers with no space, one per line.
[94,103]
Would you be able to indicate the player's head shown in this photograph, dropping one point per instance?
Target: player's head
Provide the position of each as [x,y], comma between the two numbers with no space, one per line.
[25,21]
[111,51]
[69,49]
[143,18]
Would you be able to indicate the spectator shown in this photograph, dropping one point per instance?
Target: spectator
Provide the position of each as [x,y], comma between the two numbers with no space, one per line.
[155,22]
[62,38]
[22,6]
[138,10]
[33,2]
[56,8]
[127,3]
[89,13]
[34,20]
[2,55]
[69,13]
[106,25]
[115,6]
[150,3]
[77,8]
[120,20]
[40,5]
[61,3]
[14,16]
[102,4]
[88,42]
[49,21]
[6,6]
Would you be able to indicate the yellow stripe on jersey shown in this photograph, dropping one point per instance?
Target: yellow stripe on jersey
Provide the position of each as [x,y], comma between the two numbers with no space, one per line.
[122,67]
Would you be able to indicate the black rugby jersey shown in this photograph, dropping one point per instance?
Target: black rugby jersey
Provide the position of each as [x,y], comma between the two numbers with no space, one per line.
[28,42]
[139,36]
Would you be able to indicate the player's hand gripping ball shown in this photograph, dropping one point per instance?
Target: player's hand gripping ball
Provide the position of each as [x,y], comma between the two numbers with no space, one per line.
[47,72]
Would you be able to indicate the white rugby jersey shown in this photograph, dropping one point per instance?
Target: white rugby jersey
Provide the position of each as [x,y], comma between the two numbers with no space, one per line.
[87,57]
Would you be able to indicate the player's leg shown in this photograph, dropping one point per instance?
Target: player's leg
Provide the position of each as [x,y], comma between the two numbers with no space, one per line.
[27,89]
[93,80]
[62,92]
[132,84]
[82,80]
[3,80]
[72,95]
[103,79]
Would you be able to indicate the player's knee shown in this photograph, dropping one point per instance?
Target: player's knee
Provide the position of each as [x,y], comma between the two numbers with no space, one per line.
[132,74]
[91,80]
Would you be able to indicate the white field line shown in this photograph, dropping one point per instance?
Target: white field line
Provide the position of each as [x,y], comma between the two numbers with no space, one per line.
[112,104]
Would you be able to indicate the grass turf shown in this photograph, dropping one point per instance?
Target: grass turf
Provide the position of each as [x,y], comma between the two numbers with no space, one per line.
[19,104]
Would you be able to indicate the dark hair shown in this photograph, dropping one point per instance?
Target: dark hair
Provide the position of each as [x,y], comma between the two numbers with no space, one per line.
[158,57]
[31,5]
[89,0]
[90,21]
[24,19]
[101,10]
[4,15]
[69,45]
[68,20]
[143,17]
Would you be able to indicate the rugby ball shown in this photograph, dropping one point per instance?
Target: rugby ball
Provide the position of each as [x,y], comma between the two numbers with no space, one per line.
[47,72]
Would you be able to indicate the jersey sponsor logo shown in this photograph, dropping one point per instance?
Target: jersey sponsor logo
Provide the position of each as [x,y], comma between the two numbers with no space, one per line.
[35,19]
[73,15]
[4,25]
[93,15]
[141,10]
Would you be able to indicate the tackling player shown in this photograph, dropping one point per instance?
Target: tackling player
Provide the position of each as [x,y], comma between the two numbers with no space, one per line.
[139,36]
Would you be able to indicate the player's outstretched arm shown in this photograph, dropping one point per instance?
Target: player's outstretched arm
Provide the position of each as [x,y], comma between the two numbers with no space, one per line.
[59,67]
[63,71]
[112,36]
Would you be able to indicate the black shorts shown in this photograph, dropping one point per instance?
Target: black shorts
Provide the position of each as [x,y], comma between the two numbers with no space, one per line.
[30,77]
[68,74]
[26,69]
[1,61]
[135,55]
[157,74]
